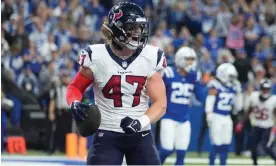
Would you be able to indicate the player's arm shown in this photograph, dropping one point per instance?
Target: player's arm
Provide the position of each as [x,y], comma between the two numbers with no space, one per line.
[274,128]
[245,118]
[156,90]
[157,93]
[210,102]
[238,101]
[199,89]
[79,84]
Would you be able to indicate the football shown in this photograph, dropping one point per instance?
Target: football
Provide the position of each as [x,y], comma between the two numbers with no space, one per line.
[91,124]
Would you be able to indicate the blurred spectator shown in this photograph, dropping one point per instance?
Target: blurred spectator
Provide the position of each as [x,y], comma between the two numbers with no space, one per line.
[177,14]
[235,37]
[263,50]
[198,45]
[160,40]
[28,81]
[225,56]
[44,14]
[194,17]
[76,12]
[243,67]
[206,64]
[162,11]
[213,43]
[184,38]
[61,8]
[95,12]
[224,17]
[48,76]
[38,36]
[259,73]
[59,113]
[210,9]
[62,33]
[240,7]
[6,10]
[169,53]
[252,35]
[69,66]
[271,31]
[266,47]
[47,47]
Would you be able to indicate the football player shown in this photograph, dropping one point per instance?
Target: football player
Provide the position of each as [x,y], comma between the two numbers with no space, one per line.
[125,73]
[224,95]
[181,82]
[262,113]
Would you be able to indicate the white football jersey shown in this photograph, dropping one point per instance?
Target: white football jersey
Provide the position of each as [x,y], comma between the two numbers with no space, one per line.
[120,85]
[263,111]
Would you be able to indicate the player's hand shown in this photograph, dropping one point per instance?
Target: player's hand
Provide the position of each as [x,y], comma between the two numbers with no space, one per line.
[130,126]
[239,127]
[79,111]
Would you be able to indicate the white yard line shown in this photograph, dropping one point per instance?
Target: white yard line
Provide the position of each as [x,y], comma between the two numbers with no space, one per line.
[8,160]
[229,161]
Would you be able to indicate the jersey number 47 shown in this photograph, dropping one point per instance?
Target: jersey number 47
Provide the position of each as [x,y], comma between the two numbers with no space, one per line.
[112,90]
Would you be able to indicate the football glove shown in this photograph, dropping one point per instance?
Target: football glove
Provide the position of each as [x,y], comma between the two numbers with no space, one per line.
[239,127]
[130,126]
[79,111]
[274,130]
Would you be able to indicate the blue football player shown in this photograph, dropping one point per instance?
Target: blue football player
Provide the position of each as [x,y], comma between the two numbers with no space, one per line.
[224,96]
[181,83]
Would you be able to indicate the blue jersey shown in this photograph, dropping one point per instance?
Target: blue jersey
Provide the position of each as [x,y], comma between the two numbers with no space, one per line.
[179,90]
[224,97]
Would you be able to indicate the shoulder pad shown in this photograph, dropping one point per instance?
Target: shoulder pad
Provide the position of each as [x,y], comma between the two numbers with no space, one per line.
[161,62]
[157,59]
[168,72]
[85,57]
[195,76]
[214,84]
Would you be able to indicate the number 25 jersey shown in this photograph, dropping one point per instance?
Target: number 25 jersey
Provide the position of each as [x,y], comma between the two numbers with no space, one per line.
[120,85]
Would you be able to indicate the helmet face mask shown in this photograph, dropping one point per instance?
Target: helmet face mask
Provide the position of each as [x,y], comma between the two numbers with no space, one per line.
[265,88]
[128,25]
[136,33]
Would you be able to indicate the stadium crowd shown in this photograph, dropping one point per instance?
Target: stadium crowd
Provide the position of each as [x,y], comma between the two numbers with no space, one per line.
[40,39]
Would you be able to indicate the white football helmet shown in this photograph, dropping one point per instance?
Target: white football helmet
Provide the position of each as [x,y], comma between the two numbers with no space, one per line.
[182,56]
[227,73]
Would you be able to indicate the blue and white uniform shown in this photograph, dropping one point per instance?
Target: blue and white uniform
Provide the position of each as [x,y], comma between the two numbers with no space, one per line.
[175,124]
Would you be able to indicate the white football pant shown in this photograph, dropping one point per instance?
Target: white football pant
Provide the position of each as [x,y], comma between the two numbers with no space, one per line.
[220,129]
[175,135]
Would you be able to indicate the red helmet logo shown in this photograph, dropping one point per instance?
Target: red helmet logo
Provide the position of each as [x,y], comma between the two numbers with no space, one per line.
[116,16]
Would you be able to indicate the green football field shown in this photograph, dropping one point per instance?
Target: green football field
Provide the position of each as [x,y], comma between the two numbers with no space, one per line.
[191,159]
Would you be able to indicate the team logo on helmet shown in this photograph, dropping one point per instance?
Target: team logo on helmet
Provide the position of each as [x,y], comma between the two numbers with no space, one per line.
[118,15]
